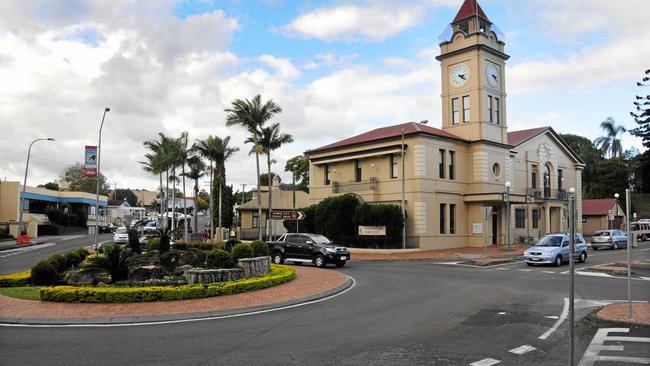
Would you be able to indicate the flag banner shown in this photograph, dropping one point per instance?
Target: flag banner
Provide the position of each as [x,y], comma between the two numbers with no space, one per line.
[90,161]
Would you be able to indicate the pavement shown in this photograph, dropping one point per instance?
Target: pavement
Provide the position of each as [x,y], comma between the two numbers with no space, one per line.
[495,253]
[618,313]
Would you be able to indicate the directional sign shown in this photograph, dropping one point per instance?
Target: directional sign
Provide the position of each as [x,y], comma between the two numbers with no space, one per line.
[287,215]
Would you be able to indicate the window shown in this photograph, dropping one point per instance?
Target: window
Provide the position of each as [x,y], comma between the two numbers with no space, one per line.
[490,108]
[536,218]
[452,219]
[443,208]
[464,26]
[496,170]
[455,114]
[497,119]
[560,178]
[547,181]
[393,167]
[441,165]
[357,170]
[326,171]
[452,160]
[520,218]
[256,220]
[466,115]
[533,177]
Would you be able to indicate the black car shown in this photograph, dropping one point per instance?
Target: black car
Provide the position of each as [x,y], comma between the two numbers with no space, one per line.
[308,247]
[107,228]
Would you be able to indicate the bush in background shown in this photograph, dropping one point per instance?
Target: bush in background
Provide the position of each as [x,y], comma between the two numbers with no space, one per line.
[260,249]
[240,251]
[306,225]
[44,273]
[170,260]
[219,259]
[153,244]
[58,261]
[230,244]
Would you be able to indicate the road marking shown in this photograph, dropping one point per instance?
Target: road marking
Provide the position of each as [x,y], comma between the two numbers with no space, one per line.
[552,317]
[11,252]
[594,274]
[525,270]
[591,355]
[502,313]
[485,362]
[502,269]
[565,312]
[549,272]
[165,322]
[522,349]
[645,278]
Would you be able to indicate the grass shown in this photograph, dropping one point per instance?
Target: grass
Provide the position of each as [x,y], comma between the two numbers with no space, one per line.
[24,293]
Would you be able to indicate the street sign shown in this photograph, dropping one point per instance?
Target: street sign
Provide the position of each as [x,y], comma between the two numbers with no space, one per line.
[372,230]
[287,215]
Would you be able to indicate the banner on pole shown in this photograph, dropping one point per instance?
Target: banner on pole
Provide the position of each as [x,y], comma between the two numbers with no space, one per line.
[90,161]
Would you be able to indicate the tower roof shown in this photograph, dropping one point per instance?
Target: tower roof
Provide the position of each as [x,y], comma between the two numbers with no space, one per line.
[470,8]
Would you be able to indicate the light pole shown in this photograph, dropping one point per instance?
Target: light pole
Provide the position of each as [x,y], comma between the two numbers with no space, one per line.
[508,185]
[22,198]
[629,254]
[616,195]
[572,250]
[403,203]
[99,151]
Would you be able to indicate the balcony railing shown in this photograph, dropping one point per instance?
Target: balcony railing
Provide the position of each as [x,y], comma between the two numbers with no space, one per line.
[371,184]
[548,194]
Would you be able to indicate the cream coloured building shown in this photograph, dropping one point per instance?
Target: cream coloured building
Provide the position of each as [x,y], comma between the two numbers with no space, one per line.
[451,174]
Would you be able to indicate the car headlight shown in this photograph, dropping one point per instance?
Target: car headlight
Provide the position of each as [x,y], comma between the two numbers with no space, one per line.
[330,250]
[526,253]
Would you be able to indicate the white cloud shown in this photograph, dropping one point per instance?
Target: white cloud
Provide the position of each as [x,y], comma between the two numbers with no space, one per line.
[283,66]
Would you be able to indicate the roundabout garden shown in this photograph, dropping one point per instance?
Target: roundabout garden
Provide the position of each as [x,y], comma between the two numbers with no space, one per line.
[152,272]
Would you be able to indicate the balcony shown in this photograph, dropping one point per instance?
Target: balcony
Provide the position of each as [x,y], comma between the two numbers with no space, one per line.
[371,184]
[548,194]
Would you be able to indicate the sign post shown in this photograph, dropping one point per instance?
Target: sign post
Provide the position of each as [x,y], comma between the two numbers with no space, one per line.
[287,215]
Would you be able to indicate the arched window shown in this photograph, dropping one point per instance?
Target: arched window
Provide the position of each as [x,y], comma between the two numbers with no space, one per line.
[547,181]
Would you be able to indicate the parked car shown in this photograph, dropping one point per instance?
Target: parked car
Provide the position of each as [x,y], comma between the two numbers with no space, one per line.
[613,239]
[107,228]
[554,249]
[313,247]
[121,236]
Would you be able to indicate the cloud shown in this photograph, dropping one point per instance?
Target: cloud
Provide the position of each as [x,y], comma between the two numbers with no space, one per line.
[283,66]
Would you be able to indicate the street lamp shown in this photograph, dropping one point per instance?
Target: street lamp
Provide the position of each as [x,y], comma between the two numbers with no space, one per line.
[616,195]
[572,250]
[22,198]
[403,199]
[508,185]
[99,150]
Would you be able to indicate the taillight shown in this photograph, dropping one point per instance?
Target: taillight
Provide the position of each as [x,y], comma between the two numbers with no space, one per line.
[610,238]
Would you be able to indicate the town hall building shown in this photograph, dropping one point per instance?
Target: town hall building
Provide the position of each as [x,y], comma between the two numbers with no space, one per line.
[449,175]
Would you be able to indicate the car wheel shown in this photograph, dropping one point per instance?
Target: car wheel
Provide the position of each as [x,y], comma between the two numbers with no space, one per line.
[319,261]
[558,261]
[583,257]
[615,246]
[277,258]
[339,264]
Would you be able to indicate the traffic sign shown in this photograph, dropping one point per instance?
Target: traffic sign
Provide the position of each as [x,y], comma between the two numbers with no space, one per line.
[287,215]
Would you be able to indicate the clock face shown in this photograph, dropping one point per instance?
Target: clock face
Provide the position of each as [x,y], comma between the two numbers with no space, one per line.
[492,75]
[459,75]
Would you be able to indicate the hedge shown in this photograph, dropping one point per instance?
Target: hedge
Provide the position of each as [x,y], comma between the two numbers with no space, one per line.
[198,245]
[15,279]
[278,275]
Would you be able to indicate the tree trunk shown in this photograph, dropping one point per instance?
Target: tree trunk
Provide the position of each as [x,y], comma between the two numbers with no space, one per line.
[259,194]
[269,229]
[196,206]
[211,207]
[184,207]
[166,197]
[174,200]
[162,188]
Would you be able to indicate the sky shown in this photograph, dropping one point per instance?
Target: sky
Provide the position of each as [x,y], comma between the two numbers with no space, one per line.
[337,68]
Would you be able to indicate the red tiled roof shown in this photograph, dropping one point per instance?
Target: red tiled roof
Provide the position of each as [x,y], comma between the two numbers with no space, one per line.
[389,132]
[597,207]
[517,137]
[470,8]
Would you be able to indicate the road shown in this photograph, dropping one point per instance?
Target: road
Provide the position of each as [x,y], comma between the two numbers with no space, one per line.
[397,313]
[16,260]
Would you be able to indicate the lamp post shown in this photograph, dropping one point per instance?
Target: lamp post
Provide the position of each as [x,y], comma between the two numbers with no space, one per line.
[630,241]
[22,198]
[572,250]
[616,195]
[508,185]
[99,151]
[403,203]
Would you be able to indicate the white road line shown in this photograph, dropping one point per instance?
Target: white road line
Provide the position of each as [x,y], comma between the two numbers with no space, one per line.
[525,270]
[522,349]
[180,320]
[565,312]
[592,354]
[485,362]
[11,252]
[645,278]
[552,317]
[502,269]
[549,272]
[594,274]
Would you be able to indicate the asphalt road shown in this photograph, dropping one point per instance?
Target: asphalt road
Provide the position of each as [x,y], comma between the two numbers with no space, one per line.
[16,260]
[398,313]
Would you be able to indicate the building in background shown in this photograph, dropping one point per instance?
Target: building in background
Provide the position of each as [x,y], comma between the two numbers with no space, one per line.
[602,214]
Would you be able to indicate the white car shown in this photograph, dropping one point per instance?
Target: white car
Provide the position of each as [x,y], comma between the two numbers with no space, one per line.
[121,236]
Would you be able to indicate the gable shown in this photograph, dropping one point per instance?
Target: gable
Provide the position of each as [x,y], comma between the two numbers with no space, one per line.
[548,145]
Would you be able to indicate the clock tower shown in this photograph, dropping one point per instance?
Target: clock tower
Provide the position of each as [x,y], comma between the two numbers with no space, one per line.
[472,62]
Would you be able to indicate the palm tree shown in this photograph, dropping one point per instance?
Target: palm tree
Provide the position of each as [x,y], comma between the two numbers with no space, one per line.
[163,151]
[252,115]
[195,172]
[610,144]
[224,153]
[181,153]
[271,139]
[153,165]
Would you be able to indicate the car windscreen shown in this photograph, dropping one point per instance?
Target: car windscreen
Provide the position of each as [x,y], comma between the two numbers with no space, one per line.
[550,241]
[319,239]
[121,231]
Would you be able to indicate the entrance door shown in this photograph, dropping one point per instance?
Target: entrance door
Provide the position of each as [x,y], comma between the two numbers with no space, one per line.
[495,224]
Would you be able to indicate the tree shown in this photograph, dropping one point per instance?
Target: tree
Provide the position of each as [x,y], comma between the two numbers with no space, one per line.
[610,145]
[640,166]
[252,115]
[73,177]
[153,165]
[162,155]
[641,114]
[299,167]
[195,172]
[613,177]
[181,153]
[54,186]
[125,194]
[265,181]
[591,156]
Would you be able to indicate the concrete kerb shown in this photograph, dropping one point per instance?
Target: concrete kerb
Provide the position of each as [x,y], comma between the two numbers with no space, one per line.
[596,317]
[176,318]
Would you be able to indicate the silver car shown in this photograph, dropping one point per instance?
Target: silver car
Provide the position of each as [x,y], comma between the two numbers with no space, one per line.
[613,239]
[121,236]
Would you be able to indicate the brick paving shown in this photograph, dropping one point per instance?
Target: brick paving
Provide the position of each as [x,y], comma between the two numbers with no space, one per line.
[310,281]
[618,313]
[496,251]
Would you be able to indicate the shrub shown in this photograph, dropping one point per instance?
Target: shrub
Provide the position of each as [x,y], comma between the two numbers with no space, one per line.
[72,258]
[44,273]
[306,225]
[198,245]
[193,256]
[170,260]
[153,244]
[278,275]
[260,249]
[15,279]
[114,260]
[58,261]
[332,217]
[82,253]
[219,259]
[231,244]
[240,251]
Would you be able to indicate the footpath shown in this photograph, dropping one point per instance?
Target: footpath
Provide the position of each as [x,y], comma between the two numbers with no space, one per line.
[495,253]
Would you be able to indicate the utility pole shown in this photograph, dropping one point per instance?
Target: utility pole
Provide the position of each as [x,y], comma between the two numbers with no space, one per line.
[629,253]
[99,151]
[403,199]
[572,250]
